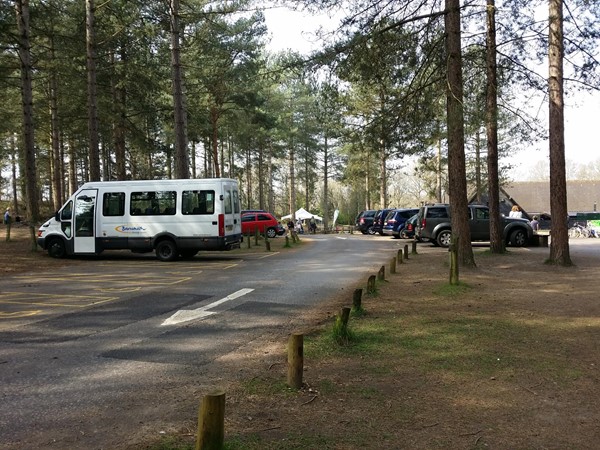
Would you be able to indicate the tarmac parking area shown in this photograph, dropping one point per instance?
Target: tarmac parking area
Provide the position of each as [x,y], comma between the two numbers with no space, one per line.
[88,283]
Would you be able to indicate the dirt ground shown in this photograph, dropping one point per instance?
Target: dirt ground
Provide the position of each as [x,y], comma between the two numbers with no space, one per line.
[509,362]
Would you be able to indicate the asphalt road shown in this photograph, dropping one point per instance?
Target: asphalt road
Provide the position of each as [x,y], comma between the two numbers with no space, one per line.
[78,345]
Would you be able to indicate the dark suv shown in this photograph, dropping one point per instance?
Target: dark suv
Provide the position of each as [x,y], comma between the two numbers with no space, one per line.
[379,220]
[434,225]
[396,220]
[364,221]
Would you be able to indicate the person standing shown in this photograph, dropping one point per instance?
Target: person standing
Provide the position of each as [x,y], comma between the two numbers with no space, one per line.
[516,212]
[535,223]
[7,220]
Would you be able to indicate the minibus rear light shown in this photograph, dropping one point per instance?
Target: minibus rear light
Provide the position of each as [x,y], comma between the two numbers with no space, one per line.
[221,225]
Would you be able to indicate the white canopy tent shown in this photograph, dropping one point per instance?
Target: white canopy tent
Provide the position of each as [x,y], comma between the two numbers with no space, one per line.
[303,214]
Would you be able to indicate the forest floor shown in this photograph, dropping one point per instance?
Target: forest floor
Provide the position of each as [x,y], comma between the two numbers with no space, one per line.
[509,359]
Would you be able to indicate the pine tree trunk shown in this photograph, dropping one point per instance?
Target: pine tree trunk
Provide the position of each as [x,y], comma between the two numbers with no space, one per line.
[457,181]
[214,122]
[93,153]
[31,190]
[180,126]
[559,246]
[496,241]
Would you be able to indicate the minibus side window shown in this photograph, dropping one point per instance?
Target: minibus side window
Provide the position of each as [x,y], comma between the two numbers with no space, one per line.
[153,203]
[67,211]
[84,217]
[66,215]
[166,202]
[198,202]
[113,204]
[236,201]
[227,201]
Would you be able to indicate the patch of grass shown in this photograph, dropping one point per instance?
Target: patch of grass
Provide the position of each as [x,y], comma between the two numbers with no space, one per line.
[487,253]
[261,386]
[172,443]
[341,332]
[369,337]
[452,290]
[290,442]
[468,346]
[327,387]
[370,393]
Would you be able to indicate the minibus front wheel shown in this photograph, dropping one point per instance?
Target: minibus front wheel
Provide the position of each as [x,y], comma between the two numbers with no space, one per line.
[166,250]
[56,248]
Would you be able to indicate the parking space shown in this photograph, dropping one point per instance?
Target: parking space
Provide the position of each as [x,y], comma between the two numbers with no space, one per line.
[90,283]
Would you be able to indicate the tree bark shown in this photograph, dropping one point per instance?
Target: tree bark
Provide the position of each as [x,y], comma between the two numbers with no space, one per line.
[31,189]
[180,126]
[93,153]
[325,207]
[457,180]
[214,121]
[119,95]
[496,241]
[559,245]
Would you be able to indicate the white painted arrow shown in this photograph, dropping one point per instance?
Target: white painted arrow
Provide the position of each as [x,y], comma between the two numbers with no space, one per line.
[185,315]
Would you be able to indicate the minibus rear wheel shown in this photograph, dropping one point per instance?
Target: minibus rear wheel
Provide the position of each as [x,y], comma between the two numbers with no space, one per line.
[56,248]
[166,250]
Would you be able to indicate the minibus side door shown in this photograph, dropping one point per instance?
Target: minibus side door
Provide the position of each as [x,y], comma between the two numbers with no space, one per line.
[84,221]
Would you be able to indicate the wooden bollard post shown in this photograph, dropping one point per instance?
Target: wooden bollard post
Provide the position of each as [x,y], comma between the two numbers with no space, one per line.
[414,247]
[295,360]
[400,258]
[381,274]
[211,422]
[393,265]
[406,252]
[248,240]
[256,235]
[343,320]
[268,246]
[371,284]
[357,299]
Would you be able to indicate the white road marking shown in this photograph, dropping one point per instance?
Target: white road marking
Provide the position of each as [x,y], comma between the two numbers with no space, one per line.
[185,315]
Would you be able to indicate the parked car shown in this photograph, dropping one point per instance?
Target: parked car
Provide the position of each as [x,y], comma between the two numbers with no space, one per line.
[280,229]
[395,221]
[364,221]
[434,224]
[263,221]
[408,232]
[379,219]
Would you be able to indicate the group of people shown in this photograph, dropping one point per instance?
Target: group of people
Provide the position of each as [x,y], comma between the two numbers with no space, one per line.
[518,213]
[299,227]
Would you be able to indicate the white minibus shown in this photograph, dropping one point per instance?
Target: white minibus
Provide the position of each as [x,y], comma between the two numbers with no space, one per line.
[171,217]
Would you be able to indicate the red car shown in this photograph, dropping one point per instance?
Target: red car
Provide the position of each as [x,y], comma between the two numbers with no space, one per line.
[263,221]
